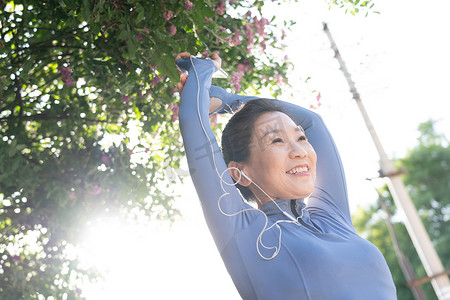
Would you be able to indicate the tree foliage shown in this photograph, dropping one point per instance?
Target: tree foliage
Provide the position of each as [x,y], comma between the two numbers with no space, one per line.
[354,6]
[427,179]
[88,117]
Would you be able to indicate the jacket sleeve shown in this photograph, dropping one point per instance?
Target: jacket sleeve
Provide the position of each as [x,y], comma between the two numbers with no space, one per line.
[206,164]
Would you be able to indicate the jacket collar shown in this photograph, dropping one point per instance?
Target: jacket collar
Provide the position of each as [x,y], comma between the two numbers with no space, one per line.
[271,209]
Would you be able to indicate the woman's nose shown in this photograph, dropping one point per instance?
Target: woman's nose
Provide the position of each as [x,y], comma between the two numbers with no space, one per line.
[298,150]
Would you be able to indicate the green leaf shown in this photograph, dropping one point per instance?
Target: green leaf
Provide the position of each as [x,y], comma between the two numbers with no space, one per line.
[86,10]
[141,12]
[131,45]
[137,112]
[20,147]
[124,34]
[15,164]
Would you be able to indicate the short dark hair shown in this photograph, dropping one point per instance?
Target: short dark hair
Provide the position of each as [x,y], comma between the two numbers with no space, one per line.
[238,134]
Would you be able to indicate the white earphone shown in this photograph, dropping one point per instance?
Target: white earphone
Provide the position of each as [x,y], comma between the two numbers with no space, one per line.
[284,212]
[243,174]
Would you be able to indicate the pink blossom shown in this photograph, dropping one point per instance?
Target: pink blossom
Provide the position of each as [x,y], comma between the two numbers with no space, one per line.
[236,78]
[65,71]
[218,40]
[286,58]
[207,20]
[263,46]
[247,65]
[264,78]
[96,190]
[279,79]
[15,257]
[220,8]
[206,53]
[72,195]
[105,159]
[173,29]
[260,25]
[156,80]
[175,109]
[79,291]
[220,11]
[244,66]
[125,98]
[222,29]
[249,33]
[213,120]
[236,38]
[188,5]
[249,13]
[139,36]
[283,34]
[318,100]
[69,81]
[168,15]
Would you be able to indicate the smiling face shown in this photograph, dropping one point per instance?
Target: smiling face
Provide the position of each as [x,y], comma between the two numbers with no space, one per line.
[282,161]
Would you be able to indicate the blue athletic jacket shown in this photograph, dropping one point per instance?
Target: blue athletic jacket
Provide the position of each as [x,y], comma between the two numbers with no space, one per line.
[320,257]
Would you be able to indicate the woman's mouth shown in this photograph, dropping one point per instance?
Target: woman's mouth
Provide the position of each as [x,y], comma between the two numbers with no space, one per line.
[299,170]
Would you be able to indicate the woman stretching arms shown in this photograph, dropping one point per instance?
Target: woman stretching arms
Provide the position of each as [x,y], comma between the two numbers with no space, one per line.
[275,154]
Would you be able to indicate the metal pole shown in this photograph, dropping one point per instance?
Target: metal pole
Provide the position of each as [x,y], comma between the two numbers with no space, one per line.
[403,261]
[414,225]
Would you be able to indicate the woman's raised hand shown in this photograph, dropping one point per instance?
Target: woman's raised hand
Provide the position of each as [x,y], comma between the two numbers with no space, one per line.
[215,102]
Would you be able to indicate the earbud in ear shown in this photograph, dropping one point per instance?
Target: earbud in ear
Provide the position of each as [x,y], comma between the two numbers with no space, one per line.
[243,174]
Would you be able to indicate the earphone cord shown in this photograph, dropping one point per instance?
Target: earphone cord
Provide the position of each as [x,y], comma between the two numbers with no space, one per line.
[225,193]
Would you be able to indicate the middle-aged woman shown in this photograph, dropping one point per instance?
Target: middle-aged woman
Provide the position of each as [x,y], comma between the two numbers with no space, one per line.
[275,154]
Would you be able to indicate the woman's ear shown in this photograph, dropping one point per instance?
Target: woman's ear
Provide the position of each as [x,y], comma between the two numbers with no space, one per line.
[236,171]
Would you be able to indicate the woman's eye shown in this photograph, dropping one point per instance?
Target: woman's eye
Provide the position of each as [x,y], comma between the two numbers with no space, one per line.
[277,140]
[302,138]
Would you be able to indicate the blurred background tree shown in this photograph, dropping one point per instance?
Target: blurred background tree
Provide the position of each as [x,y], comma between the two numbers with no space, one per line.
[88,117]
[427,177]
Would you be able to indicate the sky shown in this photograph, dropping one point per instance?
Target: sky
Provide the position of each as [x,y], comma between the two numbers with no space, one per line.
[399,60]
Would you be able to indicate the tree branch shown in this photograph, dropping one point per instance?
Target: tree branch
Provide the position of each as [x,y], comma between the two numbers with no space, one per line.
[46,117]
